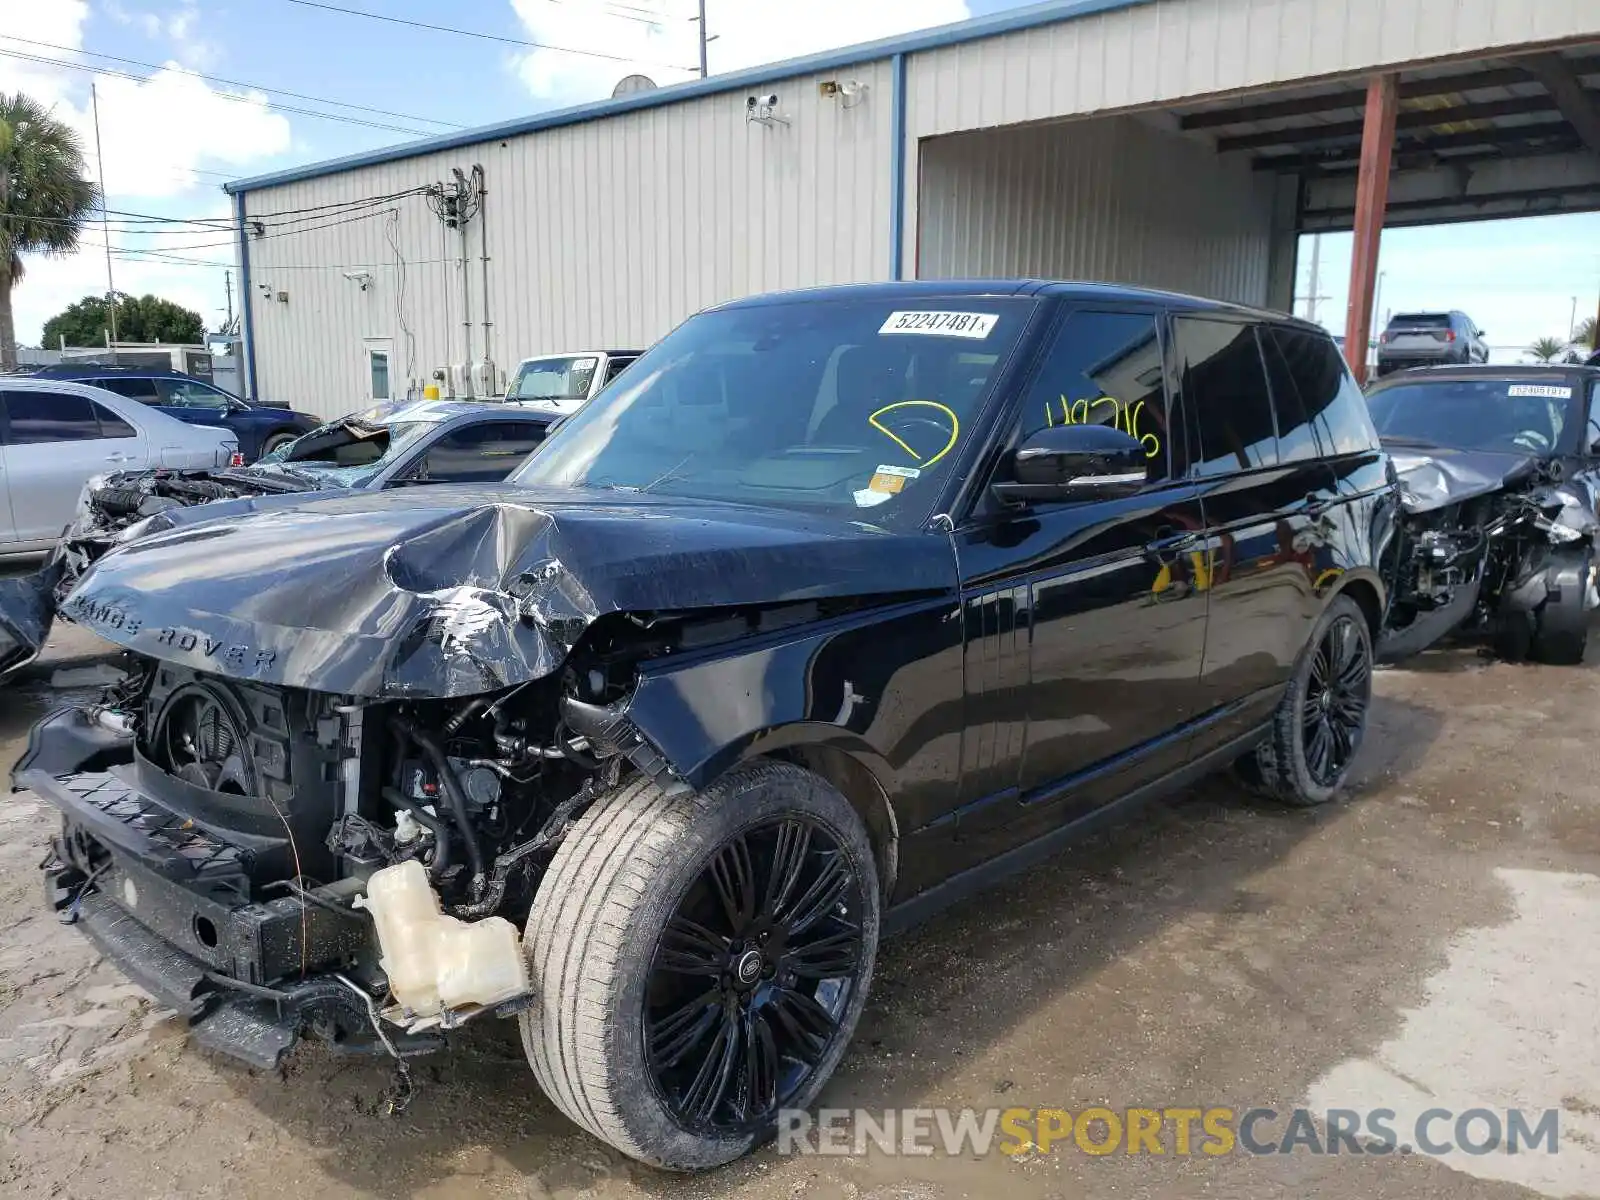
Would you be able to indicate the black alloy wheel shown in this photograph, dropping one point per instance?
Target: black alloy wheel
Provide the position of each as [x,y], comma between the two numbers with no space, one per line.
[753,975]
[1338,694]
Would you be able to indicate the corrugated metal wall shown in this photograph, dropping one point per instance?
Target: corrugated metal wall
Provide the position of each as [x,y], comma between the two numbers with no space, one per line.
[601,234]
[1179,49]
[1172,50]
[1109,199]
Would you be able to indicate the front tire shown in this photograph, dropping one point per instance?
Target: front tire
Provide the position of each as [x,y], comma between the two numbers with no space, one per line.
[700,960]
[276,441]
[1561,626]
[1322,718]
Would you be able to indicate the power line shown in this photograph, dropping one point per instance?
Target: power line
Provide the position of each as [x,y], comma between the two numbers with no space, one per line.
[382,112]
[474,33]
[285,108]
[630,12]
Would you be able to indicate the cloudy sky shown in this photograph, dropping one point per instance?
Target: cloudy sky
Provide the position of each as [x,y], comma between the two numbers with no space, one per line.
[172,130]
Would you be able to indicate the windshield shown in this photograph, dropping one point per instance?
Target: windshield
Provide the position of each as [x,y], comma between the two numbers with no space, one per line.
[1514,415]
[553,379]
[351,451]
[855,408]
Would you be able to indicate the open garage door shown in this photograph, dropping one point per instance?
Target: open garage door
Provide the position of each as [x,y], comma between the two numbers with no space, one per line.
[1118,199]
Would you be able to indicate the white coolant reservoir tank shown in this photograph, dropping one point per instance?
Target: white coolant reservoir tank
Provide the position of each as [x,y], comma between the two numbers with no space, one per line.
[434,961]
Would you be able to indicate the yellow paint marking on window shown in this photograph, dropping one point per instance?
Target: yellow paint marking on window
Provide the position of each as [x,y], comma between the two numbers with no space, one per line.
[955,427]
[1124,416]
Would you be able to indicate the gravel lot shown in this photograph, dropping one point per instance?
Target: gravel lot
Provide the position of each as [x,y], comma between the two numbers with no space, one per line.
[1429,940]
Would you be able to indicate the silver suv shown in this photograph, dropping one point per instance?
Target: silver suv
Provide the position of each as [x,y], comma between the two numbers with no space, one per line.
[1430,339]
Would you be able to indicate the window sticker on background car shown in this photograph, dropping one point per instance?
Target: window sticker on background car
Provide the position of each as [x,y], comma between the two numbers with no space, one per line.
[909,417]
[1544,391]
[942,324]
[1124,416]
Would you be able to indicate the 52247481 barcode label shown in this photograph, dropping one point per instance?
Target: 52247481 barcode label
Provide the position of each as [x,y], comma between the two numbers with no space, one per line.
[942,324]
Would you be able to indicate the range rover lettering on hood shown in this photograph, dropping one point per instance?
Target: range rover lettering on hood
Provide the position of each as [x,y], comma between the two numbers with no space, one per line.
[465,590]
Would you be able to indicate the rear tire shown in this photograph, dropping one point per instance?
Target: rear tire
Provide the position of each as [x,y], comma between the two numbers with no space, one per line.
[1317,730]
[757,900]
[276,441]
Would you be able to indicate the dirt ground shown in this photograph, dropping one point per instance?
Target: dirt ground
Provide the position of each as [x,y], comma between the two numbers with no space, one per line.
[1429,939]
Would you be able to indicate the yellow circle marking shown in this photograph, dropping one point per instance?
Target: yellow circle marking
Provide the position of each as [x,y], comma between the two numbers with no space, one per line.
[955,427]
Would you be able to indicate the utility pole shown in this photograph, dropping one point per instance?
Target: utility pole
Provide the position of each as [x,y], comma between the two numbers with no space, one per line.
[227,287]
[1316,276]
[105,221]
[703,39]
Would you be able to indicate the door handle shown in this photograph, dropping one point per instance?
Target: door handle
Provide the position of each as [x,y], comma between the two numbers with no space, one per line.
[117,457]
[1170,544]
[1317,506]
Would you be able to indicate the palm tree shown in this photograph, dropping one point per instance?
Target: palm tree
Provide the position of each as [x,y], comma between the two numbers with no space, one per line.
[44,198]
[1546,349]
[1584,334]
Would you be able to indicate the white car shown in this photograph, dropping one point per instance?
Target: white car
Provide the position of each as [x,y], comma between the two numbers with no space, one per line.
[55,436]
[564,383]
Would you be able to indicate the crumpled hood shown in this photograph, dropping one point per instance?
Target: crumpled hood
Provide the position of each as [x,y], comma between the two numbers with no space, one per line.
[1438,476]
[458,590]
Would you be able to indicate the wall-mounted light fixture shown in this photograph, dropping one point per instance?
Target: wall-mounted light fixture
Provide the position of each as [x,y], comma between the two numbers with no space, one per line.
[848,92]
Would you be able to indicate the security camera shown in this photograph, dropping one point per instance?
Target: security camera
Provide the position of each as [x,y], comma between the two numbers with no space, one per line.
[364,278]
[770,100]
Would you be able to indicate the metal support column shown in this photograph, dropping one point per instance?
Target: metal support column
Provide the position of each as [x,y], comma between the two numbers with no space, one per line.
[1372,198]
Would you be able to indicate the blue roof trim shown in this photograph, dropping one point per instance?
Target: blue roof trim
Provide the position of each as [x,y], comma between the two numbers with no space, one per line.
[1048,13]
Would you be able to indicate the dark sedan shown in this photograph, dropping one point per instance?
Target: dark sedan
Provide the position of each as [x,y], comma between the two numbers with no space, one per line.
[261,428]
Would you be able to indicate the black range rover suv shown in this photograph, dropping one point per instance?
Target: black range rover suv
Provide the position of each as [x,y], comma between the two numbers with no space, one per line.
[835,605]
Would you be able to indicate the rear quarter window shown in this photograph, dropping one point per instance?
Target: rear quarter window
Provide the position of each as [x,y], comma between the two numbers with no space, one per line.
[1332,400]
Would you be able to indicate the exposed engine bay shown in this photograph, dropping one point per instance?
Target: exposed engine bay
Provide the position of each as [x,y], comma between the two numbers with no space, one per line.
[303,855]
[117,508]
[1495,546]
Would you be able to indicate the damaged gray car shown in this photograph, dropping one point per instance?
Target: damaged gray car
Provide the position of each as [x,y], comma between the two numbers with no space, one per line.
[1499,469]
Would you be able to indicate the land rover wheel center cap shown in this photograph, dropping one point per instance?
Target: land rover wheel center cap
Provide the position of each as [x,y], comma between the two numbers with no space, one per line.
[747,969]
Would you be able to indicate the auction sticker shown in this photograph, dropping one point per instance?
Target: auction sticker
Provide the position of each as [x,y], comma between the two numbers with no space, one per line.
[1545,391]
[942,324]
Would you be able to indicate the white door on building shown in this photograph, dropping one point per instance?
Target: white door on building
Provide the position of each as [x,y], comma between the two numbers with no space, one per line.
[379,363]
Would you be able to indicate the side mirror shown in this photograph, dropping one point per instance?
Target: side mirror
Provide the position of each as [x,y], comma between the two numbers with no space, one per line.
[1076,462]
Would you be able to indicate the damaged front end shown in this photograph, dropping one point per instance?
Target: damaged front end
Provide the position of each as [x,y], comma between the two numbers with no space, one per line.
[1493,546]
[269,861]
[327,794]
[114,510]
[117,508]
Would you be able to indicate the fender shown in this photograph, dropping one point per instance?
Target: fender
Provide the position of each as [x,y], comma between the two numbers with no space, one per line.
[867,684]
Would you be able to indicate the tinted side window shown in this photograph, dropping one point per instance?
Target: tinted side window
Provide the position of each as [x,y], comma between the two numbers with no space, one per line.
[1593,435]
[483,453]
[142,390]
[111,425]
[184,393]
[1105,369]
[1299,436]
[41,417]
[1330,395]
[615,367]
[1225,387]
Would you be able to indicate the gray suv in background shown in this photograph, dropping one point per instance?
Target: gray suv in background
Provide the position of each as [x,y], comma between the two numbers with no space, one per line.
[1430,339]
